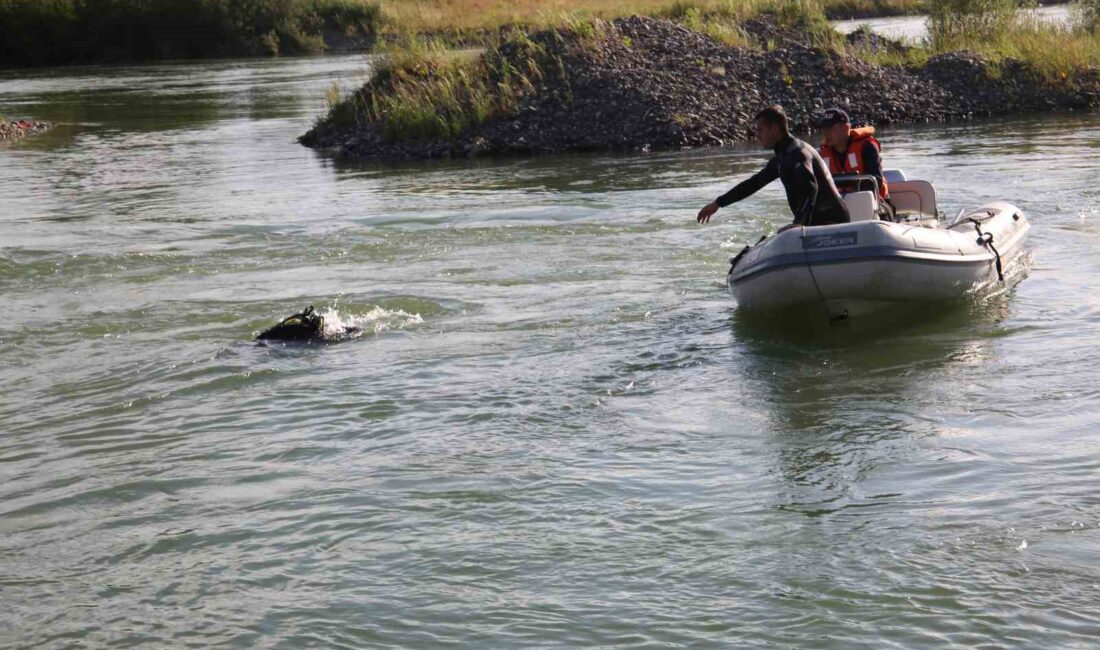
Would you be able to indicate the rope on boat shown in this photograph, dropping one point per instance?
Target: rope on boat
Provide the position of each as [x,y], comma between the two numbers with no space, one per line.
[734,260]
[985,239]
[737,258]
[809,268]
[813,278]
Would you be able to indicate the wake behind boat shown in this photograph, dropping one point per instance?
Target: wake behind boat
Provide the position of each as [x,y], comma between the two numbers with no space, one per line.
[870,264]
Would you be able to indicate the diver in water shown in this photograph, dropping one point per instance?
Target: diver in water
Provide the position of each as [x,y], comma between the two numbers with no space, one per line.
[305,326]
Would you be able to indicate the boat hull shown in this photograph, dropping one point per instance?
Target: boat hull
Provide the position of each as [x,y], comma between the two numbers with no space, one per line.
[855,268]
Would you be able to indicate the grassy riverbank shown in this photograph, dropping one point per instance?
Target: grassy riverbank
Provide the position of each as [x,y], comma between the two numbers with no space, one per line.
[40,32]
[50,32]
[982,57]
[53,32]
[422,90]
[466,16]
[999,32]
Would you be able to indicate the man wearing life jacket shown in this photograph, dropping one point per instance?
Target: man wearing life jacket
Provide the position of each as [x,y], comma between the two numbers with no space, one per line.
[853,151]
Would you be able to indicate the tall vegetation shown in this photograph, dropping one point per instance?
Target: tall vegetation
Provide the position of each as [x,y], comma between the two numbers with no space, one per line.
[421,90]
[956,24]
[437,16]
[722,20]
[1088,15]
[999,29]
[841,9]
[43,32]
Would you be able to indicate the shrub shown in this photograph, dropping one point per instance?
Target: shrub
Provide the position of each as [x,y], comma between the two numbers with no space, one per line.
[35,32]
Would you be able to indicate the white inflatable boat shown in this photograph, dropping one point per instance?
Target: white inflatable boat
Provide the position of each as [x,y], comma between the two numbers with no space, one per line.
[868,264]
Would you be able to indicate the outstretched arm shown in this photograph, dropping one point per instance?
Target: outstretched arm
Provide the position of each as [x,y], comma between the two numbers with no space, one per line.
[744,189]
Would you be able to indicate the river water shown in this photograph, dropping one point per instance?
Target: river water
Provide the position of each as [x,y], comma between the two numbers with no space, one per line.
[556,430]
[915,28]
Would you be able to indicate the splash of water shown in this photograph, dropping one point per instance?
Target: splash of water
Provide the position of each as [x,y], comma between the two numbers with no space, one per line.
[342,327]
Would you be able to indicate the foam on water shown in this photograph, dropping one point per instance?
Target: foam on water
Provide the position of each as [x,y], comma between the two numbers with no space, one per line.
[340,327]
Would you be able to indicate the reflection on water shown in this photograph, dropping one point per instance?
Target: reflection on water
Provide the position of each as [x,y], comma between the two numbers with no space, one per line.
[559,432]
[849,398]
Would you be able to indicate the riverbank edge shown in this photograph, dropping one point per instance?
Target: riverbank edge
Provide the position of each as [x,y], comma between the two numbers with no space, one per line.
[66,32]
[342,34]
[52,35]
[645,84]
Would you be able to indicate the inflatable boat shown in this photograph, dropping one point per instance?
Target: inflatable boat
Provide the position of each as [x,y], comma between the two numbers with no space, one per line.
[870,264]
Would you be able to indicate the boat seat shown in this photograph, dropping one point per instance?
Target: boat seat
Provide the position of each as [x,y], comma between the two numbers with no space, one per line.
[913,197]
[894,176]
[862,206]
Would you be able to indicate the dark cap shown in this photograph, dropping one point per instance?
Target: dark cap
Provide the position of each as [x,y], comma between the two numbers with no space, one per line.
[832,116]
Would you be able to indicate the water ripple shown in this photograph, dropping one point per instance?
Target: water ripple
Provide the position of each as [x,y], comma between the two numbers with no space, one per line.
[557,430]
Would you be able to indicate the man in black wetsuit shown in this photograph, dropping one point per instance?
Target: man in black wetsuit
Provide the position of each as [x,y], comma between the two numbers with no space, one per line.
[813,197]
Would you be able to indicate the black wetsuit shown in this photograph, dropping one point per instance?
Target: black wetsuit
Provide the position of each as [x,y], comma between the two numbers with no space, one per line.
[813,197]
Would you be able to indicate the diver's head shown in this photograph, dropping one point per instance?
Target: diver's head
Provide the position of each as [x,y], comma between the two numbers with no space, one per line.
[772,126]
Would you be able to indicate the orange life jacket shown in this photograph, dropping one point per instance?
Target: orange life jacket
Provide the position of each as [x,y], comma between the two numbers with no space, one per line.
[852,161]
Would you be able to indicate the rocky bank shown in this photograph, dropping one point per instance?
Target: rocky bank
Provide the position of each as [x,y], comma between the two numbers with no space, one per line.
[646,83]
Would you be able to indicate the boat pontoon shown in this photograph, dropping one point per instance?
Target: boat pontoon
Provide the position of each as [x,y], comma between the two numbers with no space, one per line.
[870,263]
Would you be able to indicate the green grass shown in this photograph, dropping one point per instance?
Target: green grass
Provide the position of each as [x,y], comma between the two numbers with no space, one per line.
[44,32]
[956,24]
[843,9]
[998,31]
[1057,53]
[723,21]
[1088,15]
[425,91]
[466,16]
